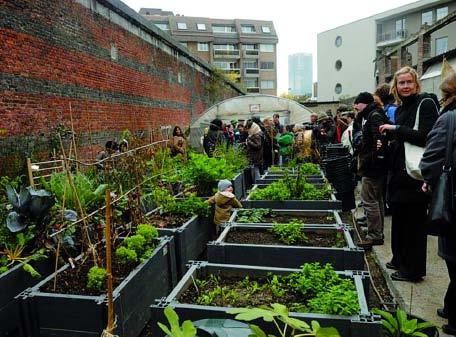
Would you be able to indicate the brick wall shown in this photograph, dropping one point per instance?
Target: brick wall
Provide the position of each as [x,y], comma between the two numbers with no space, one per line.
[95,61]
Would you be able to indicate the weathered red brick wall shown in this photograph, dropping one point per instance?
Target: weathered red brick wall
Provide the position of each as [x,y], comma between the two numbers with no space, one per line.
[60,58]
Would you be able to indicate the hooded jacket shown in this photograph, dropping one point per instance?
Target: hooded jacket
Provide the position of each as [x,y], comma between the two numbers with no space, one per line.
[254,145]
[224,202]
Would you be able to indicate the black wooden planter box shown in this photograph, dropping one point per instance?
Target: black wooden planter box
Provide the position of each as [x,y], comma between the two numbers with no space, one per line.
[190,240]
[238,186]
[12,283]
[361,325]
[291,212]
[331,204]
[349,257]
[63,315]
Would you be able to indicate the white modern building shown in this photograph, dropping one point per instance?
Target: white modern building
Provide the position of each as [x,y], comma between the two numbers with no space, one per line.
[347,55]
[300,74]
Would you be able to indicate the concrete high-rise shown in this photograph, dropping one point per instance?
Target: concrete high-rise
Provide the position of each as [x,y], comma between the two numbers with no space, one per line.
[300,74]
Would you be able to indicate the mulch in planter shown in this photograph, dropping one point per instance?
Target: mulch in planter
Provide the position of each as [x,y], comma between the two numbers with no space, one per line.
[166,220]
[74,281]
[259,236]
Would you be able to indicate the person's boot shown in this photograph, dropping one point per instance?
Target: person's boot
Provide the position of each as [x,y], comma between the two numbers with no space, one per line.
[449,329]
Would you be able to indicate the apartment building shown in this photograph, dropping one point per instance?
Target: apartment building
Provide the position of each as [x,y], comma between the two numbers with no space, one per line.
[300,74]
[357,56]
[247,49]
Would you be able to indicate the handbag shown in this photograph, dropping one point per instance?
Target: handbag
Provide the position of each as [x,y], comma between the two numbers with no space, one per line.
[441,211]
[414,153]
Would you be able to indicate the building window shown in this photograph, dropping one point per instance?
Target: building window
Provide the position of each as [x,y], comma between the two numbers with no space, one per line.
[338,65]
[224,47]
[251,83]
[267,84]
[441,45]
[201,26]
[162,25]
[338,41]
[223,29]
[338,88]
[426,18]
[250,64]
[184,44]
[400,28]
[265,29]
[203,46]
[267,65]
[223,65]
[441,13]
[248,29]
[267,48]
[248,46]
[181,25]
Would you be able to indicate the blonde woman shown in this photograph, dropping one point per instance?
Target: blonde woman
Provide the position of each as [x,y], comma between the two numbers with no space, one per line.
[408,202]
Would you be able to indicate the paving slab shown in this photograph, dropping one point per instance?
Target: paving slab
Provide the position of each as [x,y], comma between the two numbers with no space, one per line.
[422,298]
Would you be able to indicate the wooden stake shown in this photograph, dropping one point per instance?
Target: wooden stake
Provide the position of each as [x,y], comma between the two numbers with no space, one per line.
[73,140]
[30,173]
[110,327]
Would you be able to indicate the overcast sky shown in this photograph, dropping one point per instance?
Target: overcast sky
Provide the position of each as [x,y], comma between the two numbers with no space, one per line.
[297,22]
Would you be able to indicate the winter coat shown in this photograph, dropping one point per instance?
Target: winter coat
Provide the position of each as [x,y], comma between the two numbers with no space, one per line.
[347,138]
[213,139]
[178,145]
[369,164]
[269,145]
[286,144]
[431,168]
[254,145]
[224,202]
[403,188]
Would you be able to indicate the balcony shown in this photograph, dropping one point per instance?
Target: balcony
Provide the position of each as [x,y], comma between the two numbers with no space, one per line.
[253,90]
[235,71]
[251,72]
[390,38]
[222,53]
[251,53]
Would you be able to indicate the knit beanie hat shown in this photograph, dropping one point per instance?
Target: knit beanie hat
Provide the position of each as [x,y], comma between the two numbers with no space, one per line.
[224,184]
[364,97]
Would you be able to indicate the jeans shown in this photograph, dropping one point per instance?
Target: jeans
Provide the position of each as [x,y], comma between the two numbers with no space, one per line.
[372,197]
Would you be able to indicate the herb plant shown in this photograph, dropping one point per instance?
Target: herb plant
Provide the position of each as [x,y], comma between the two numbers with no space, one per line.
[175,330]
[253,215]
[286,326]
[139,246]
[400,326]
[96,278]
[290,233]
[309,169]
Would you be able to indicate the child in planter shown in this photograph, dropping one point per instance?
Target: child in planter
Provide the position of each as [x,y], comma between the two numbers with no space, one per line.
[224,201]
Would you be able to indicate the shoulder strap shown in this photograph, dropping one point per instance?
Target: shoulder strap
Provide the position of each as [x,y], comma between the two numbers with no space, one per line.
[450,132]
[417,118]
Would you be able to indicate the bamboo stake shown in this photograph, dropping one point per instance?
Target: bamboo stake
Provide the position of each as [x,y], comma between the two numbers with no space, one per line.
[30,173]
[73,139]
[110,326]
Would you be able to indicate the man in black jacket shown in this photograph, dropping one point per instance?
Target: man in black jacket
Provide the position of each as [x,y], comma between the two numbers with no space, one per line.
[371,166]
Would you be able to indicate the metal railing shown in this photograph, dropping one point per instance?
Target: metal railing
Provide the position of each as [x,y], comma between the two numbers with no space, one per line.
[392,36]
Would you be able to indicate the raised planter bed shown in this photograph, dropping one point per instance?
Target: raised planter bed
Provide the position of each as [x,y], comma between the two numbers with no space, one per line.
[285,215]
[44,314]
[256,245]
[12,283]
[359,325]
[265,180]
[330,204]
[190,239]
[238,186]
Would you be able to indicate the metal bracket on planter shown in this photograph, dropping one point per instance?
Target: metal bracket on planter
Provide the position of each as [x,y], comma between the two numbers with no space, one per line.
[214,243]
[24,294]
[197,264]
[162,302]
[370,318]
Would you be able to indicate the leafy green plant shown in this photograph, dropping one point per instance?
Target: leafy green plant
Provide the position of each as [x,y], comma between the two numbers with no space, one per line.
[203,172]
[96,278]
[233,156]
[138,246]
[309,169]
[290,233]
[340,238]
[285,325]
[90,195]
[189,206]
[339,299]
[253,215]
[175,330]
[400,326]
